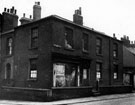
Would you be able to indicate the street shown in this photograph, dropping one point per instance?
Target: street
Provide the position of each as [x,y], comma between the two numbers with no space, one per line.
[119,99]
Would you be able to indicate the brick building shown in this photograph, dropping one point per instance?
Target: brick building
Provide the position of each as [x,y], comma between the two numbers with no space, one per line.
[57,57]
[128,61]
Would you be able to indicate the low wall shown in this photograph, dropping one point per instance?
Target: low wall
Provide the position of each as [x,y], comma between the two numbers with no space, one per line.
[71,92]
[33,94]
[115,89]
[29,94]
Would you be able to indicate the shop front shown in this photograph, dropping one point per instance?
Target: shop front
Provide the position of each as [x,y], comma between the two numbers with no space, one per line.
[71,76]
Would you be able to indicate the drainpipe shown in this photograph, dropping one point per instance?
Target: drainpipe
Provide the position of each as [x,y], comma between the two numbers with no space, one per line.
[110,69]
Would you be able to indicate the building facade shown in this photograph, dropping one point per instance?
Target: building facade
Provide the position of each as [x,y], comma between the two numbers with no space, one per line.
[60,57]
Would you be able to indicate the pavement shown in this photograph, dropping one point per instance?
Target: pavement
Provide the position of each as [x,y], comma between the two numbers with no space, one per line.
[92,99]
[68,101]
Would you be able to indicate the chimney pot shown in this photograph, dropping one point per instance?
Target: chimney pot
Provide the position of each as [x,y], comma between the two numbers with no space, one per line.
[5,9]
[13,7]
[30,16]
[38,3]
[15,11]
[114,35]
[8,10]
[23,14]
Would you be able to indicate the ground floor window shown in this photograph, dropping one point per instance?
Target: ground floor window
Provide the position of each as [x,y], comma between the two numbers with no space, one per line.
[126,79]
[98,70]
[69,75]
[33,68]
[115,71]
[8,71]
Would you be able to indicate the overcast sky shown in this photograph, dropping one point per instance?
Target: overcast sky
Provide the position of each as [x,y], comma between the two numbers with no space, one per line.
[109,16]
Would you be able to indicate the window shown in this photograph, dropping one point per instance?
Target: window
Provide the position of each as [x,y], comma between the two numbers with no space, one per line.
[115,71]
[98,70]
[34,38]
[115,50]
[8,71]
[33,68]
[68,38]
[9,46]
[65,75]
[85,42]
[84,76]
[98,46]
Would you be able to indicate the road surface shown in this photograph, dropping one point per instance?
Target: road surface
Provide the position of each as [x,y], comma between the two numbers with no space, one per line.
[119,99]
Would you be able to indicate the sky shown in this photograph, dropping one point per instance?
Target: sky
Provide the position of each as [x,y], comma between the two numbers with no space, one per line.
[108,16]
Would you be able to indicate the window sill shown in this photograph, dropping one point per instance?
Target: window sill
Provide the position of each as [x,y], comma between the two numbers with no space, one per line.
[34,48]
[100,55]
[77,87]
[69,49]
[116,58]
[9,55]
[85,51]
[31,79]
[57,46]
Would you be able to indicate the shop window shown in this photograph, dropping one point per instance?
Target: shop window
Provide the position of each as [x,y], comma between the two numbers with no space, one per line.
[98,46]
[34,38]
[84,77]
[85,42]
[115,50]
[33,69]
[115,71]
[98,70]
[9,46]
[126,79]
[68,38]
[8,71]
[65,75]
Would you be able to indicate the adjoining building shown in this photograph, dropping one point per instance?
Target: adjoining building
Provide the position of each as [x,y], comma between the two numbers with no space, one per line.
[128,61]
[59,58]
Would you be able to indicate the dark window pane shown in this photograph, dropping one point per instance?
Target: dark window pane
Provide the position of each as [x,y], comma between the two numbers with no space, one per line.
[85,42]
[69,38]
[8,71]
[34,38]
[115,50]
[9,46]
[98,46]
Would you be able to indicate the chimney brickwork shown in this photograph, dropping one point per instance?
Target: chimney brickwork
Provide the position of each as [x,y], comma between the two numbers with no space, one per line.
[25,20]
[127,42]
[9,19]
[77,18]
[36,11]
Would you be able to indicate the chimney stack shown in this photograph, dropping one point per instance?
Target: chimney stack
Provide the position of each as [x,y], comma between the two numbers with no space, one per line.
[25,20]
[114,36]
[36,11]
[77,18]
[10,19]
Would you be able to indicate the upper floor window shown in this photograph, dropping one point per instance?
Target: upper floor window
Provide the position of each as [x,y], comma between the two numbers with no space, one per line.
[115,71]
[68,38]
[98,70]
[8,71]
[115,50]
[9,46]
[98,46]
[34,38]
[33,68]
[85,42]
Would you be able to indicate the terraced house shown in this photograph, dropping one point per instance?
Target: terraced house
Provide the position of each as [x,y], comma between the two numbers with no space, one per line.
[56,57]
